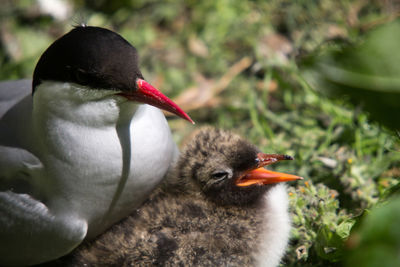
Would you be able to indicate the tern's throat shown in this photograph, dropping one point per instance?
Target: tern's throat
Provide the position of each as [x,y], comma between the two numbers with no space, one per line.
[78,126]
[71,121]
[77,104]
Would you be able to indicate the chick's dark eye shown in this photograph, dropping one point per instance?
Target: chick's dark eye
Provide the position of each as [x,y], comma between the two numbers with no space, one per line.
[220,175]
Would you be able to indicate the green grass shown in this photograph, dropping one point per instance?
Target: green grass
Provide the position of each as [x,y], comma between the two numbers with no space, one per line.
[349,162]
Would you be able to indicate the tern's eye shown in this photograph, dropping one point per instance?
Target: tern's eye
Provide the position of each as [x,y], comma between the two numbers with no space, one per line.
[81,77]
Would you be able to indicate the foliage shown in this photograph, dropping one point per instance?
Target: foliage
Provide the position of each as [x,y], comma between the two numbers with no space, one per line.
[376,241]
[349,162]
[368,73]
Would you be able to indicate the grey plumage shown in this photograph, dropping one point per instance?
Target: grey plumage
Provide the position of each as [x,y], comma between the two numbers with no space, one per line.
[197,217]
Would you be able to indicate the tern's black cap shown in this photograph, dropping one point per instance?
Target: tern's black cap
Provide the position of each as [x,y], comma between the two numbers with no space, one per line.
[90,56]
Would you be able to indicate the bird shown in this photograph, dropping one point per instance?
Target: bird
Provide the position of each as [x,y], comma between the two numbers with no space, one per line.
[80,148]
[218,206]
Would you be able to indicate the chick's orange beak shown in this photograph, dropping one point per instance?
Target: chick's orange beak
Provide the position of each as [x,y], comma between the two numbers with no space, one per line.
[261,176]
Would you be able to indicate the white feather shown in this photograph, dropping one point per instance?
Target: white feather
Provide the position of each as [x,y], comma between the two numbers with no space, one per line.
[275,235]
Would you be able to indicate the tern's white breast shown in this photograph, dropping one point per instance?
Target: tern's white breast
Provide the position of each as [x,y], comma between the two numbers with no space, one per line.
[102,154]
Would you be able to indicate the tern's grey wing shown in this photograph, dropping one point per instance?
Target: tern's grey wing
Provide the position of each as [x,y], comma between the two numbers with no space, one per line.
[19,167]
[16,161]
[12,92]
[16,115]
[30,233]
[27,226]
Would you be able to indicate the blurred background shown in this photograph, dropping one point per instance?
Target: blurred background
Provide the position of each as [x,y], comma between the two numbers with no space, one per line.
[319,80]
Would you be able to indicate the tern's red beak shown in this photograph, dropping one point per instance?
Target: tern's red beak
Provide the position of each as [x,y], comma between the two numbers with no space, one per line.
[261,176]
[150,95]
